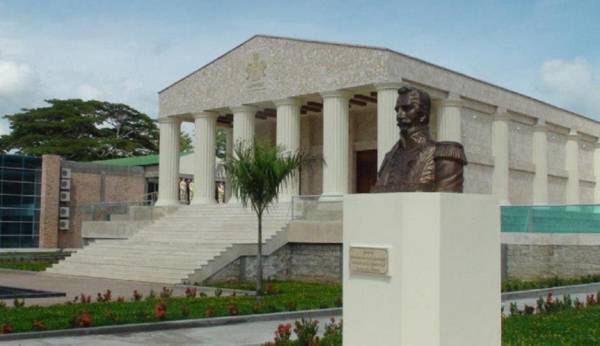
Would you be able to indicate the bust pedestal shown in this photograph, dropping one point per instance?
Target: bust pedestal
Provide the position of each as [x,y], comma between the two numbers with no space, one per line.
[421,269]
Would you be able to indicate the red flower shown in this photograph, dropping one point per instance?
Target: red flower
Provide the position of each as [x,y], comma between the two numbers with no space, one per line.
[269,289]
[85,320]
[233,310]
[160,311]
[6,328]
[38,325]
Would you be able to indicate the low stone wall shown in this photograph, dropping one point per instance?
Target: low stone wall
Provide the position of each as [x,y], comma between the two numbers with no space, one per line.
[533,256]
[309,262]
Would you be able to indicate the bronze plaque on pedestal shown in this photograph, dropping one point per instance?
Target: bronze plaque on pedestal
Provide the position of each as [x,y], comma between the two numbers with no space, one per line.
[368,260]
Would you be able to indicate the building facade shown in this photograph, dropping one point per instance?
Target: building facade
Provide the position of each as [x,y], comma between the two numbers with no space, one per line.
[337,101]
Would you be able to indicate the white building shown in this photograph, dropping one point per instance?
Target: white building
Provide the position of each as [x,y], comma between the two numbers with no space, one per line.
[337,100]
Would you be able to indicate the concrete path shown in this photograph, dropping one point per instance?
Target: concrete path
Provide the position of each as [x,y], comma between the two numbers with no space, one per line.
[253,333]
[75,285]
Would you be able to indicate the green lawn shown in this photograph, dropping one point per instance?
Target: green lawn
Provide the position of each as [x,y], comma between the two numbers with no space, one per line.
[569,327]
[31,266]
[519,285]
[286,296]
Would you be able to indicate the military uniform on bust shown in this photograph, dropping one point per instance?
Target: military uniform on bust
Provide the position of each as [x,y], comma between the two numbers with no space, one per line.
[417,162]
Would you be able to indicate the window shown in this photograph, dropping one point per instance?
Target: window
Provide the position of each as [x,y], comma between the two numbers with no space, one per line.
[20,186]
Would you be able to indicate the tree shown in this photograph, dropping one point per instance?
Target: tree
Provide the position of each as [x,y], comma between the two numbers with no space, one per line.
[83,131]
[185,142]
[256,174]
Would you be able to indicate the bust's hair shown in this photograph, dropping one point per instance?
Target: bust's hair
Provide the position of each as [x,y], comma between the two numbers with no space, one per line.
[424,100]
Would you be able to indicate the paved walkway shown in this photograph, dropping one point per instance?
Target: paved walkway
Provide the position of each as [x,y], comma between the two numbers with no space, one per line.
[75,285]
[253,333]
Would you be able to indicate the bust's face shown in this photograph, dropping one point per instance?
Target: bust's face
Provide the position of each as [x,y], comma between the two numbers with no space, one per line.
[408,110]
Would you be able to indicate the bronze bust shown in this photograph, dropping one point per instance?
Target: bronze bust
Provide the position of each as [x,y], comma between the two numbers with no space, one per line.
[417,162]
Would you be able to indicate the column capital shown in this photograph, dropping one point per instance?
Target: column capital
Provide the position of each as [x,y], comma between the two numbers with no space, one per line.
[244,109]
[336,94]
[205,114]
[288,101]
[388,86]
[453,100]
[573,135]
[169,120]
[540,126]
[501,114]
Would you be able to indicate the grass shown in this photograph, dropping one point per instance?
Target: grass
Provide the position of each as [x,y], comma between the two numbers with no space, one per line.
[286,296]
[568,327]
[31,266]
[519,285]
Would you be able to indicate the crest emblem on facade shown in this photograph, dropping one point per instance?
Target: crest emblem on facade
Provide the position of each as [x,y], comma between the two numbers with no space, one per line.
[256,69]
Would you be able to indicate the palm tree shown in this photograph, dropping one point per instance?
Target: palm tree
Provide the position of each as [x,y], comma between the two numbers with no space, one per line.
[257,174]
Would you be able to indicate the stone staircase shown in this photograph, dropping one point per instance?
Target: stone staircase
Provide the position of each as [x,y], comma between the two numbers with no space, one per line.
[175,246]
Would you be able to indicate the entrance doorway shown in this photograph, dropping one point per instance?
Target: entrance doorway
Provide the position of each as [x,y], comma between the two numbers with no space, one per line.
[366,170]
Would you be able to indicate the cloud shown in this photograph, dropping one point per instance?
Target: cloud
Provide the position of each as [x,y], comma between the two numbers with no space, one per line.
[88,92]
[15,77]
[571,84]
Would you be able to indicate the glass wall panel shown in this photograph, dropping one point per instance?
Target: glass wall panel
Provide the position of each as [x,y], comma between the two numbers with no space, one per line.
[20,186]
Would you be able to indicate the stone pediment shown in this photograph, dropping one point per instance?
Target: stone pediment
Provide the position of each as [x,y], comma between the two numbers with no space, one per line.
[266,68]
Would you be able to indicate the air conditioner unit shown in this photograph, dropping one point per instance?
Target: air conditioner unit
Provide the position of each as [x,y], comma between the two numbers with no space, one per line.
[65,184]
[63,224]
[63,212]
[65,196]
[65,173]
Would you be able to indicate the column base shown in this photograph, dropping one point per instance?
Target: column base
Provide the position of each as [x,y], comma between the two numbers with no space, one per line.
[328,197]
[167,203]
[203,201]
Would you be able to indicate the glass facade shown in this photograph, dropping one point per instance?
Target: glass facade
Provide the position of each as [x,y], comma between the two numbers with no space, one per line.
[20,186]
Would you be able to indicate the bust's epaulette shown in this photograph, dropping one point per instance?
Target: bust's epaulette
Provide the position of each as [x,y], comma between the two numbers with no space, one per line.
[450,151]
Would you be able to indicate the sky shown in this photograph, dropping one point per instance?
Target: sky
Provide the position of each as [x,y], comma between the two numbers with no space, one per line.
[126,51]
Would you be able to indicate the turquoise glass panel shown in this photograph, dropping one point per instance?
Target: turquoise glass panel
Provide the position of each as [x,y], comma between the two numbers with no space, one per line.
[551,219]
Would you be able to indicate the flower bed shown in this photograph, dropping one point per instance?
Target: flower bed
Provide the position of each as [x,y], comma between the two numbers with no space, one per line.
[104,309]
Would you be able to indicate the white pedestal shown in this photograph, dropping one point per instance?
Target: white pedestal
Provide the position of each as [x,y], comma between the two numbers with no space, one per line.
[442,285]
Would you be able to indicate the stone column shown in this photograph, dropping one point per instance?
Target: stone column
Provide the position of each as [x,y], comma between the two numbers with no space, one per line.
[168,166]
[243,124]
[450,119]
[540,160]
[335,142]
[288,137]
[204,158]
[572,166]
[387,131]
[228,154]
[243,131]
[500,151]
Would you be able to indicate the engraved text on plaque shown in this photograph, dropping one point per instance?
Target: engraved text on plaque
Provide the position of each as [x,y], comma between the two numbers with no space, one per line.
[368,260]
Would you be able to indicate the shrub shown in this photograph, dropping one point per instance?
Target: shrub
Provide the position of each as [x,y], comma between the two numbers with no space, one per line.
[137,296]
[218,292]
[256,307]
[151,295]
[269,289]
[291,306]
[338,302]
[81,320]
[190,292]
[209,312]
[6,328]
[283,334]
[233,309]
[38,325]
[104,298]
[306,331]
[166,293]
[18,303]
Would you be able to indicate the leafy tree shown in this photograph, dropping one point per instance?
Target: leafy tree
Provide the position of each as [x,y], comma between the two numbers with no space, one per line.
[83,131]
[185,142]
[221,143]
[256,174]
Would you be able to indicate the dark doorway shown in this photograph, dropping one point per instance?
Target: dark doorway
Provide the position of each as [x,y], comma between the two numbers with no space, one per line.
[366,170]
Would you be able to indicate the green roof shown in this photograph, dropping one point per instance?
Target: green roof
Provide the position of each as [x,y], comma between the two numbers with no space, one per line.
[147,160]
